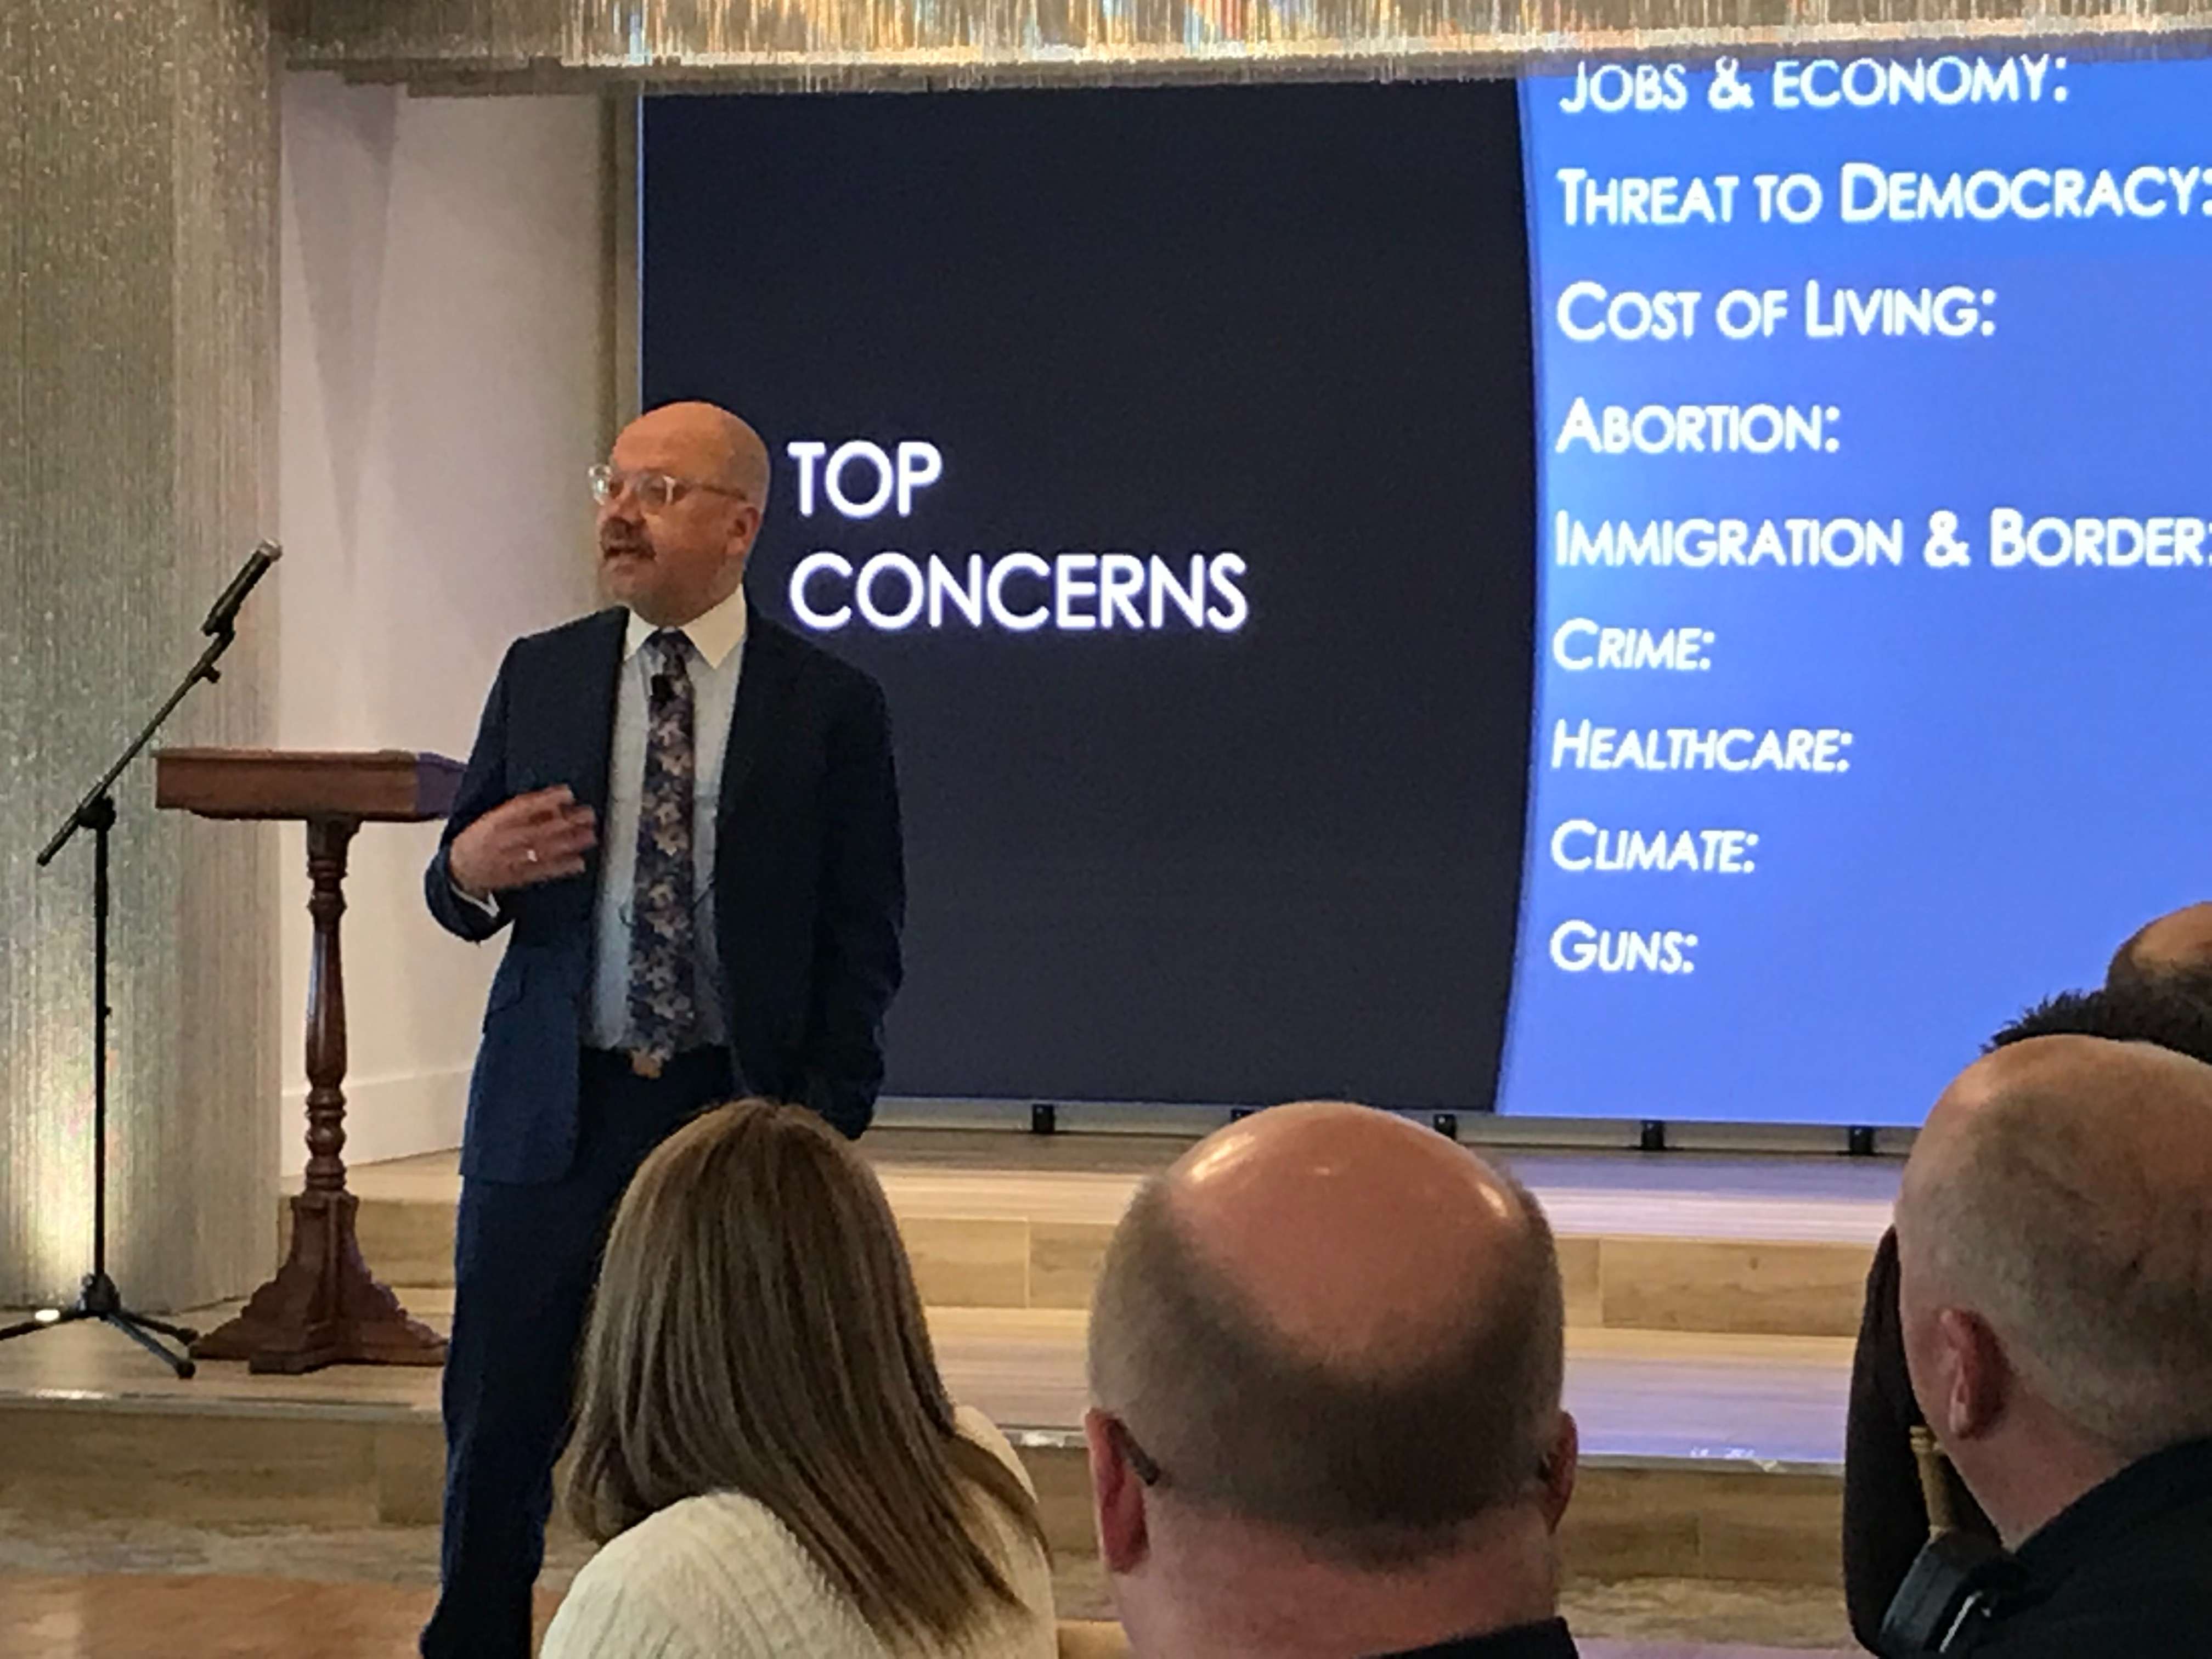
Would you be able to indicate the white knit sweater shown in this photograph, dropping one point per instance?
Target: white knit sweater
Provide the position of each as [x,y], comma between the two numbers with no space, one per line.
[721,1577]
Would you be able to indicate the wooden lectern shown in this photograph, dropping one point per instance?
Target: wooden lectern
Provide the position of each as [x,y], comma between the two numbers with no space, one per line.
[323,1308]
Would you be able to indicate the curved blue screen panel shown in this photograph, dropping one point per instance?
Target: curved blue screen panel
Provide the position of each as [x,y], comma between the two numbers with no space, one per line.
[1875,634]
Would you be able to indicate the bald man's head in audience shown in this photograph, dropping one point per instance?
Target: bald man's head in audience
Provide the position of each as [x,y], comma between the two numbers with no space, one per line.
[2175,950]
[1326,1350]
[2055,1255]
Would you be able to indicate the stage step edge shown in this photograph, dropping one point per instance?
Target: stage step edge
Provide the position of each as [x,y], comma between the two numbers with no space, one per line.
[1748,1287]
[118,1458]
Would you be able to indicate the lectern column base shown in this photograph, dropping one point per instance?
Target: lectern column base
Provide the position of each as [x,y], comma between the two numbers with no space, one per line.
[323,1308]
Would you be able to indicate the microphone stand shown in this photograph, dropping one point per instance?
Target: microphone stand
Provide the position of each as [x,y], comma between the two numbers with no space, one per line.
[98,1297]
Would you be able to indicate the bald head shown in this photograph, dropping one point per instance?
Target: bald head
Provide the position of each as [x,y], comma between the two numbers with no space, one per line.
[1400,1235]
[1330,1321]
[2061,1193]
[704,441]
[679,509]
[2178,943]
[2132,1117]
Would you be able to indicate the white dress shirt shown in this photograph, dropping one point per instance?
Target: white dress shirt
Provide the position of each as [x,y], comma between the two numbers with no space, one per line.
[717,654]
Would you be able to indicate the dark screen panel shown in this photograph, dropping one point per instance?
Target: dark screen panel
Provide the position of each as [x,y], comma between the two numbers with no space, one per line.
[1194,863]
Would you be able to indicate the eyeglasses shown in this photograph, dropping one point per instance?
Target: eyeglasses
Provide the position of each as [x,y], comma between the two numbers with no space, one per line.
[656,492]
[1139,1460]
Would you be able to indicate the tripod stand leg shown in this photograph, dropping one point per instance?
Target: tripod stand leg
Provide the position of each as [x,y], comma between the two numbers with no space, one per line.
[183,1334]
[129,1326]
[32,1327]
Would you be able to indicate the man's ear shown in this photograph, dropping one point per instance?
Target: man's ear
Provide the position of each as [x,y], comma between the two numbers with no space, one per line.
[1557,1470]
[745,528]
[1117,1497]
[1976,1376]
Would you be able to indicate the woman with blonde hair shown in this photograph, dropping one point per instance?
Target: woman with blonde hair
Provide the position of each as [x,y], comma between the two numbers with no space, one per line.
[764,1444]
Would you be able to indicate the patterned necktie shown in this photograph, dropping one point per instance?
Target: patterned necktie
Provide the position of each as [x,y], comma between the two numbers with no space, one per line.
[664,1000]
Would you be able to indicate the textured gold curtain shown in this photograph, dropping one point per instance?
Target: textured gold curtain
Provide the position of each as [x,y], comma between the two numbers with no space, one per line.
[838,43]
[137,357]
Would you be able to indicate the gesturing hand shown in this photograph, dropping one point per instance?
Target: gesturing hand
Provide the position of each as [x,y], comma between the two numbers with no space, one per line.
[540,837]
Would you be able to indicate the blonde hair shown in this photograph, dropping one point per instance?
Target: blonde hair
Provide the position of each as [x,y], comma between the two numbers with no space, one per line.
[756,1330]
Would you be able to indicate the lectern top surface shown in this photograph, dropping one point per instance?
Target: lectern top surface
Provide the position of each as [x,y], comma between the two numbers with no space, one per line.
[384,785]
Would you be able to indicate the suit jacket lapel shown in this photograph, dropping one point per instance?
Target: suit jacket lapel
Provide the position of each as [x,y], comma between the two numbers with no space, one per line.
[593,724]
[585,718]
[762,683]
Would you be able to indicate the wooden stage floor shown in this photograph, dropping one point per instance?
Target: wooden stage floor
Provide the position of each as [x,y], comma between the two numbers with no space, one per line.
[217,1618]
[1641,1397]
[1710,1302]
[1090,1177]
[1685,1384]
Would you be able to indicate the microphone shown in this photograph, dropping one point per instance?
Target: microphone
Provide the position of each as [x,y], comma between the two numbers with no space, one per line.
[224,617]
[663,687]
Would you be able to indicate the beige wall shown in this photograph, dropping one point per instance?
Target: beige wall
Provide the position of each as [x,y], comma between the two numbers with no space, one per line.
[440,397]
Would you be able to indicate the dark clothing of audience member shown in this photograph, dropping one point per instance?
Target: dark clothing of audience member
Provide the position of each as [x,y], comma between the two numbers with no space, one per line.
[2125,1572]
[1885,1508]
[1886,1519]
[1548,1640]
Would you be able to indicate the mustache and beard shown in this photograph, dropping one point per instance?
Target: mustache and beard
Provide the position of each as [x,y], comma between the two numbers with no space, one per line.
[619,540]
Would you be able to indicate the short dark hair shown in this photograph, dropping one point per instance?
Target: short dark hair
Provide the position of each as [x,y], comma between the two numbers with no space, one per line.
[2171,1009]
[1373,1471]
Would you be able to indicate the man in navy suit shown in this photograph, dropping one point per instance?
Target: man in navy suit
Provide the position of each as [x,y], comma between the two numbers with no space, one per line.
[734,930]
